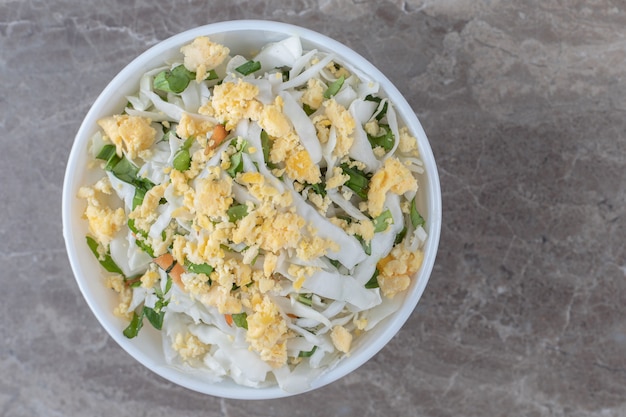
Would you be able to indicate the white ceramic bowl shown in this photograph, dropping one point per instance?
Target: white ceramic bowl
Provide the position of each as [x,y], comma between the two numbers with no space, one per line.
[243,37]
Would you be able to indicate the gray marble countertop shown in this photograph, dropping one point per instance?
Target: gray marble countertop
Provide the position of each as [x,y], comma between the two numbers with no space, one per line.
[525,106]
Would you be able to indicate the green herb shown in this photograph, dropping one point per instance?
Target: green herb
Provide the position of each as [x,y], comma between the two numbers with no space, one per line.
[182,157]
[236,159]
[416,218]
[334,87]
[154,317]
[140,193]
[358,182]
[305,299]
[205,269]
[304,354]
[367,246]
[373,282]
[237,212]
[386,140]
[212,75]
[382,221]
[140,236]
[400,236]
[383,112]
[335,263]
[308,109]
[175,80]
[236,164]
[241,320]
[318,188]
[136,323]
[105,260]
[248,68]
[122,168]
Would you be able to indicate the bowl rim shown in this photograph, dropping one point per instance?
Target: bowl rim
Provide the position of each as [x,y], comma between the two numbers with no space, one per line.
[393,323]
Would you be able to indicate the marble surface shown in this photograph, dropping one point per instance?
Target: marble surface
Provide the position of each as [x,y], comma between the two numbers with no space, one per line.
[524,103]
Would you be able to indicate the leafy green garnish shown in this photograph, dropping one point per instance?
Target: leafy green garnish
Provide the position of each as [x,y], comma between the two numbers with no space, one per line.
[306,299]
[241,320]
[182,157]
[136,323]
[400,236]
[155,316]
[212,75]
[416,218]
[383,112]
[305,354]
[205,269]
[140,236]
[236,159]
[373,282]
[248,68]
[386,140]
[237,212]
[122,168]
[382,222]
[358,182]
[308,109]
[105,259]
[174,80]
[334,87]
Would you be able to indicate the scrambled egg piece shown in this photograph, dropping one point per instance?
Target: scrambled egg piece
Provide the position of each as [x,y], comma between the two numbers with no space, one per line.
[342,338]
[146,213]
[267,332]
[273,120]
[314,94]
[344,124]
[283,146]
[193,126]
[394,177]
[300,167]
[189,347]
[337,179]
[117,284]
[150,277]
[395,270]
[104,222]
[130,133]
[232,102]
[213,194]
[407,144]
[202,55]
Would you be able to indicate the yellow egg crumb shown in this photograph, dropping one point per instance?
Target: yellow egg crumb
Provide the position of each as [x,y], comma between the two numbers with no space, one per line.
[395,177]
[396,268]
[128,133]
[189,347]
[233,101]
[202,55]
[125,296]
[344,123]
[313,96]
[300,167]
[342,338]
[407,144]
[190,125]
[267,332]
[104,222]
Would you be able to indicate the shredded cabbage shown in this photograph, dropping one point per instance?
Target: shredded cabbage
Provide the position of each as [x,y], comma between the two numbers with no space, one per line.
[258,252]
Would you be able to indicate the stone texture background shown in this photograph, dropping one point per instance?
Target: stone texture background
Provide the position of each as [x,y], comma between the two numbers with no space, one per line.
[524,103]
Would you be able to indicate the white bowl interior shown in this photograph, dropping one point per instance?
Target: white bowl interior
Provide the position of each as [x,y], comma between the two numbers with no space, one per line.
[242,37]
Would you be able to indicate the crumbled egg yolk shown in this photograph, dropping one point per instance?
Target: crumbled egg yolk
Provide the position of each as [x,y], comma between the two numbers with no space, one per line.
[341,338]
[300,167]
[267,332]
[189,347]
[233,101]
[273,120]
[104,222]
[394,177]
[313,96]
[125,296]
[202,55]
[146,213]
[396,268]
[407,143]
[130,133]
[193,126]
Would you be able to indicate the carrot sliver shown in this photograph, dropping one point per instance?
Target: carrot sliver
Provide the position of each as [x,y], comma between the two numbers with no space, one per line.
[176,273]
[219,134]
[229,319]
[164,261]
